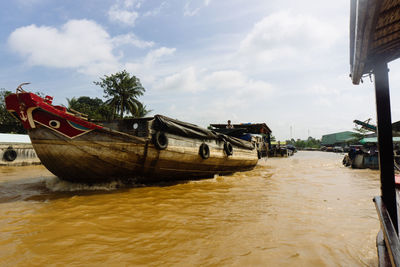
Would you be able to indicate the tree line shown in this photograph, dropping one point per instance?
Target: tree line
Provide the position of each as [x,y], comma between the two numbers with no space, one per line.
[301,144]
[121,91]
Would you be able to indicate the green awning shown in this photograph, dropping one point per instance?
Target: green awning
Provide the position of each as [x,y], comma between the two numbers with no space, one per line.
[375,140]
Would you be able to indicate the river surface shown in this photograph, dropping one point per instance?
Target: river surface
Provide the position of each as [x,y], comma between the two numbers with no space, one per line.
[307,210]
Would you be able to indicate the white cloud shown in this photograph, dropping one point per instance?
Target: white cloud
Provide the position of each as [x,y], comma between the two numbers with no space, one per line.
[205,97]
[153,56]
[184,81]
[121,15]
[80,44]
[286,38]
[189,12]
[227,82]
[155,11]
[133,3]
[192,7]
[322,90]
[236,83]
[131,39]
[125,12]
[149,68]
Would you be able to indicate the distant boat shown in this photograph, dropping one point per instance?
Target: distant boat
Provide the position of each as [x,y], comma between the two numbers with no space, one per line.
[146,149]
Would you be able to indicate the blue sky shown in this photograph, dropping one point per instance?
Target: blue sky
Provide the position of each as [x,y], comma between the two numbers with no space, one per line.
[283,62]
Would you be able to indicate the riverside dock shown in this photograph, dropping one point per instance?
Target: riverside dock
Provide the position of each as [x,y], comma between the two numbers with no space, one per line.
[17,150]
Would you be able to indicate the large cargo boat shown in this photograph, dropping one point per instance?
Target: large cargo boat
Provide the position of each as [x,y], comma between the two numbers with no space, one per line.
[145,149]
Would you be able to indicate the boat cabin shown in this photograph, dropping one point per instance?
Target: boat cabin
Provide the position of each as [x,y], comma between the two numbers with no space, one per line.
[257,133]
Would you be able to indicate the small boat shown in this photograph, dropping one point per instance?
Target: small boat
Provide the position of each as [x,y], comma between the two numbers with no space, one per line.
[141,149]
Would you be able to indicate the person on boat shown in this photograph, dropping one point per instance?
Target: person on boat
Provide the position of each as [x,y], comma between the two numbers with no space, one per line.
[229,126]
[372,150]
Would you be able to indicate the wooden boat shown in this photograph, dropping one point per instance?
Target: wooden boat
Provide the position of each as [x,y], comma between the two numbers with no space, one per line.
[144,149]
[257,133]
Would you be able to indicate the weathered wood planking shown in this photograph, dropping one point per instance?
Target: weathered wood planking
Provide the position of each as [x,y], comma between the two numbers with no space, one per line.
[100,156]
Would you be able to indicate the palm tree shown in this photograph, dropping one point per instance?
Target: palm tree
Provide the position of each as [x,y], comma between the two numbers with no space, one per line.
[122,91]
[141,111]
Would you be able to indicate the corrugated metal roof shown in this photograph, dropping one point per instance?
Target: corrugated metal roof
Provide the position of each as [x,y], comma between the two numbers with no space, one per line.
[337,138]
[374,34]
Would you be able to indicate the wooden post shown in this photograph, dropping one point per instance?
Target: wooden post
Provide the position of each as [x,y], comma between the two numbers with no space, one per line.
[385,141]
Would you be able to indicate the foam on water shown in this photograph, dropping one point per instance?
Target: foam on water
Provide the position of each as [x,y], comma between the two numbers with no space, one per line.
[55,184]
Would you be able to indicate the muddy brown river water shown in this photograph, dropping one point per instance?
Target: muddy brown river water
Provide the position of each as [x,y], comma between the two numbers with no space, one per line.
[307,210]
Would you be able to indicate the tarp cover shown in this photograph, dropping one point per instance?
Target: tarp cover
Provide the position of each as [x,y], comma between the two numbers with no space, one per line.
[162,123]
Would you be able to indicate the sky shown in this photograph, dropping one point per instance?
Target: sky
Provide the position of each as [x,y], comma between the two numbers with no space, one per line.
[284,63]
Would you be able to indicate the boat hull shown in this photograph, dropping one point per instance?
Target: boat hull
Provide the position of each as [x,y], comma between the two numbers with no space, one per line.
[101,156]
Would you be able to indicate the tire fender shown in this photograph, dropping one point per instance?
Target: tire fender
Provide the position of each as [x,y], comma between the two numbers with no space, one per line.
[10,155]
[228,148]
[204,151]
[160,140]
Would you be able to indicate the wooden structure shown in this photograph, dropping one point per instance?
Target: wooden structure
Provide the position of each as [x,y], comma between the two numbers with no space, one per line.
[375,41]
[245,131]
[254,128]
[147,149]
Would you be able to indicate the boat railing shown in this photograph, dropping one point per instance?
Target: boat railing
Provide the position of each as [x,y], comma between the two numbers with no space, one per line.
[78,114]
[387,241]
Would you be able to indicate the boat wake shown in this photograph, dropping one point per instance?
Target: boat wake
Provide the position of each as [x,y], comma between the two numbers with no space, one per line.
[55,184]
[21,189]
[45,188]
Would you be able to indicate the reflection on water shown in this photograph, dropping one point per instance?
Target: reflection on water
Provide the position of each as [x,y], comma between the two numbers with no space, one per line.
[306,210]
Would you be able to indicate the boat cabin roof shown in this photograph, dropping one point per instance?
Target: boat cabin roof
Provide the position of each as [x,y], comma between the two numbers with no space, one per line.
[254,128]
[374,35]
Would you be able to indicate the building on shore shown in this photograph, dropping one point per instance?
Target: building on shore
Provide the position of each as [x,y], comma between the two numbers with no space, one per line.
[340,139]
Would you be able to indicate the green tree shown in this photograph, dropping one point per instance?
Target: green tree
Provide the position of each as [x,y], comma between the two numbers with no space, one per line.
[122,90]
[309,143]
[141,111]
[8,124]
[95,108]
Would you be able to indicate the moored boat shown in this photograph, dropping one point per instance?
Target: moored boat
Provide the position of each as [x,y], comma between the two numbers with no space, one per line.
[146,149]
[257,133]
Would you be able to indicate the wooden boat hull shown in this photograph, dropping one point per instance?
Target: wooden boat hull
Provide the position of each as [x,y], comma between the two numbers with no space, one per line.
[99,157]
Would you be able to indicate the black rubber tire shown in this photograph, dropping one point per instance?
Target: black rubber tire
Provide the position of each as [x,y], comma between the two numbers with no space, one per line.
[204,151]
[160,140]
[10,155]
[228,148]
